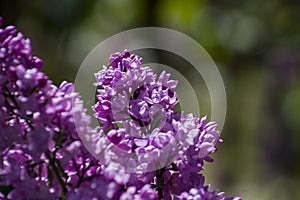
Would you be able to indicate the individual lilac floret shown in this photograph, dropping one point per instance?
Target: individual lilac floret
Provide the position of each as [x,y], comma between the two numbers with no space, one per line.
[125,61]
[201,144]
[145,193]
[108,77]
[203,193]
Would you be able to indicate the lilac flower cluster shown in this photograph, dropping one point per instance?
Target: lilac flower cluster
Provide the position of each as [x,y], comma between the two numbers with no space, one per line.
[42,156]
[43,126]
[145,133]
[137,112]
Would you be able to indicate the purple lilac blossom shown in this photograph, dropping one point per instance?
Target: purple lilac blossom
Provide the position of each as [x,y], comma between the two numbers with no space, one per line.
[141,120]
[204,194]
[137,112]
[42,155]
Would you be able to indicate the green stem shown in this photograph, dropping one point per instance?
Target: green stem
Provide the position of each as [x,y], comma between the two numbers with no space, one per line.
[58,175]
[160,182]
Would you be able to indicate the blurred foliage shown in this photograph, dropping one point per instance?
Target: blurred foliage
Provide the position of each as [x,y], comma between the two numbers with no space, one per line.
[256,45]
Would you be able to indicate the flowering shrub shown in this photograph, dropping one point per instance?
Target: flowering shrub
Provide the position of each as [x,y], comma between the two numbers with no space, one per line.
[42,155]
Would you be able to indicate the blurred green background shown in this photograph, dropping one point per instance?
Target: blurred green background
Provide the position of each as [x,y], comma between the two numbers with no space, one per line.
[255,44]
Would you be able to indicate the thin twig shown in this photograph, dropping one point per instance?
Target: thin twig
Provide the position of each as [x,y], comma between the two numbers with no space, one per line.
[57,174]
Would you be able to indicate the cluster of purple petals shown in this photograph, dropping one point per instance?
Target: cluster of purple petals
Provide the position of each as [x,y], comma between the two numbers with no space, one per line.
[137,112]
[43,157]
[41,154]
[204,194]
